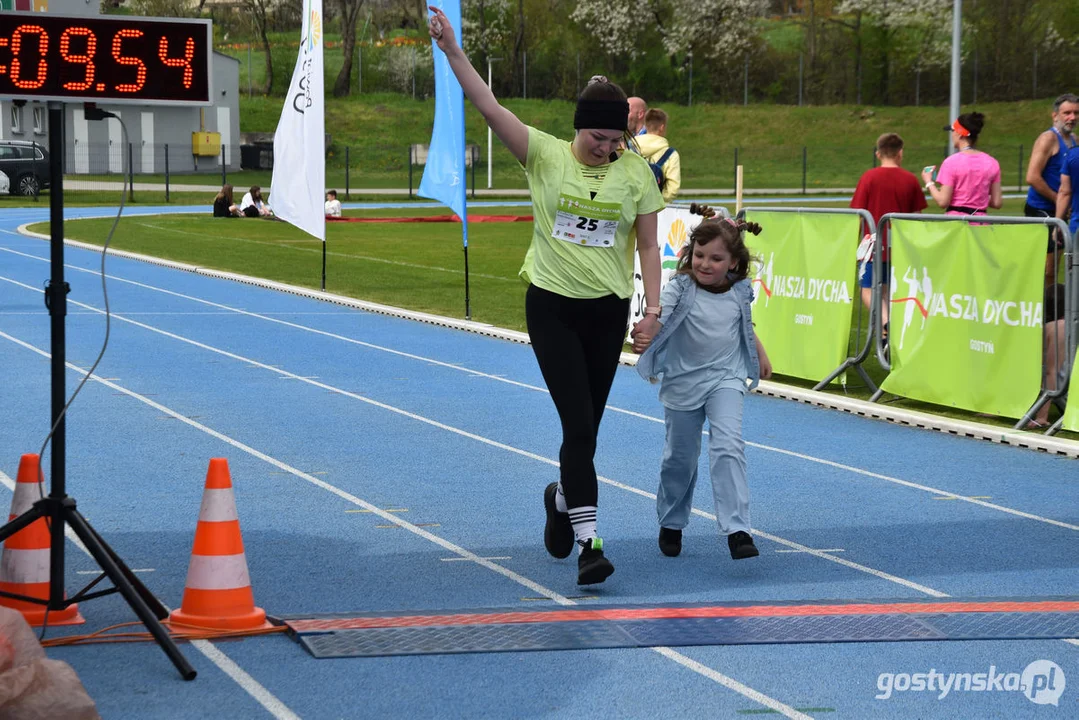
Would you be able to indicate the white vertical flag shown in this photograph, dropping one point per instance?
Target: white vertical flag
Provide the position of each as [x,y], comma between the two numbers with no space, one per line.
[298,186]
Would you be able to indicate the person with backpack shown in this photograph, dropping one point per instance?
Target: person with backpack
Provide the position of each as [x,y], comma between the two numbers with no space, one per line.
[664,160]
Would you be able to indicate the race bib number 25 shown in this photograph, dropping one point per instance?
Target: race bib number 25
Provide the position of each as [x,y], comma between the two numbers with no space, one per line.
[586,222]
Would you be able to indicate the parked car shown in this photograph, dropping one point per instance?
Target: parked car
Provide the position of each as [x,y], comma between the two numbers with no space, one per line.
[27,166]
[5,184]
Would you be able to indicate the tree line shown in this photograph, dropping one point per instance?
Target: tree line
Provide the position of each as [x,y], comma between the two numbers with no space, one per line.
[885,52]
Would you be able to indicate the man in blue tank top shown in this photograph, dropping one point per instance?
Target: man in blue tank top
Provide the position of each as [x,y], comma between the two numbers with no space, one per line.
[1046,161]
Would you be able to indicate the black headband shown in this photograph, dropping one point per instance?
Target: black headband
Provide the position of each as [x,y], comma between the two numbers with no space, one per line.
[601,115]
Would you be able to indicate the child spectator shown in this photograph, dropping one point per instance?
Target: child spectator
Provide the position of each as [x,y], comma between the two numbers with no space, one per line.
[656,150]
[333,205]
[705,351]
[882,190]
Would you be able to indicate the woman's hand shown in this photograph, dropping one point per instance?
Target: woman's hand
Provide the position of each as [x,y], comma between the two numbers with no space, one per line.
[441,30]
[644,332]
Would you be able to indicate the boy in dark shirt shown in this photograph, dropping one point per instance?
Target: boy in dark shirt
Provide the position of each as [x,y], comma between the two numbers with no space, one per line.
[882,190]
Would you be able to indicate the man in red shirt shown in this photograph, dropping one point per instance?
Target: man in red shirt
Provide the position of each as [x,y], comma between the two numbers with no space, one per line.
[882,190]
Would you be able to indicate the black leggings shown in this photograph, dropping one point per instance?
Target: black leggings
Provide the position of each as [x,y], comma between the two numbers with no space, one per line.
[577,344]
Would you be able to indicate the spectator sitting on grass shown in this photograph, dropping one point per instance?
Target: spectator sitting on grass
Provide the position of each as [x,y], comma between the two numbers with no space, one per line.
[223,205]
[656,150]
[253,205]
[333,205]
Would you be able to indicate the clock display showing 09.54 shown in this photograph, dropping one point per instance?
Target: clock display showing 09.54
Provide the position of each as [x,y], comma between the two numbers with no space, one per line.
[114,59]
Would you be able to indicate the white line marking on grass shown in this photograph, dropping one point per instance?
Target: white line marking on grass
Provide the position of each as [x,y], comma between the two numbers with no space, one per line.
[251,686]
[268,700]
[975,500]
[290,245]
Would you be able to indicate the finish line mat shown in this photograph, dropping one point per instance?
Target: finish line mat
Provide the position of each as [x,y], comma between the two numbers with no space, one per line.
[338,635]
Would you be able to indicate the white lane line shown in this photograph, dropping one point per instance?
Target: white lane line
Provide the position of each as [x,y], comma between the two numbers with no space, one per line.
[887,478]
[464,554]
[251,686]
[486,441]
[255,689]
[974,500]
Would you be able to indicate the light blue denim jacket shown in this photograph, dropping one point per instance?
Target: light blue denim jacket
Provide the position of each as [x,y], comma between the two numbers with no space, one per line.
[651,363]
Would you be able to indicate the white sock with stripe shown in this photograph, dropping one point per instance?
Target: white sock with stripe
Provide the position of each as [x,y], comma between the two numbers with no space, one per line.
[583,520]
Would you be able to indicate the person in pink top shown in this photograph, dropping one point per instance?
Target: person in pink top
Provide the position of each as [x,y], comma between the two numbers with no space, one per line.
[969,180]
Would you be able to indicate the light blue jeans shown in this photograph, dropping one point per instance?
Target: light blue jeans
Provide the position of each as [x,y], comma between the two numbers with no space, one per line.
[726,460]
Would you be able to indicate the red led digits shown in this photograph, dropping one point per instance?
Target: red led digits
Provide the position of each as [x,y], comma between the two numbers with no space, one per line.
[87,59]
[185,63]
[16,64]
[140,78]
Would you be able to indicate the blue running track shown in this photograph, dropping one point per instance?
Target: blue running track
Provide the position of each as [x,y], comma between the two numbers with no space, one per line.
[383,465]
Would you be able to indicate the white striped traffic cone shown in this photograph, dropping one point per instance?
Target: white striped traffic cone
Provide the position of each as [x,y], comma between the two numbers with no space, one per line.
[218,592]
[24,566]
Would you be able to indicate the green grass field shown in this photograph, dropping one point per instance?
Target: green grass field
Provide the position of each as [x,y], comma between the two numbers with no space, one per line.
[374,132]
[414,266]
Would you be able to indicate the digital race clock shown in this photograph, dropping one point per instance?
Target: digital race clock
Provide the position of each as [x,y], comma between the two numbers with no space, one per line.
[112,58]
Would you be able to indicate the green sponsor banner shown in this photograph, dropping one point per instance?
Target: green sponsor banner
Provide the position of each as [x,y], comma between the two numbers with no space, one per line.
[1071,410]
[803,288]
[965,326]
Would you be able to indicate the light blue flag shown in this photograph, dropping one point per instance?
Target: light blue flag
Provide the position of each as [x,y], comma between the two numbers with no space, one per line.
[444,174]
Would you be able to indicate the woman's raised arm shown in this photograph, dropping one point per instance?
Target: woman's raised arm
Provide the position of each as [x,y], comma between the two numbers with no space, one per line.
[512,132]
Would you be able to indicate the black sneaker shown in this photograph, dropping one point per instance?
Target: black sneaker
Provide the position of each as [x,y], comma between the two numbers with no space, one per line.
[741,545]
[558,532]
[670,541]
[592,567]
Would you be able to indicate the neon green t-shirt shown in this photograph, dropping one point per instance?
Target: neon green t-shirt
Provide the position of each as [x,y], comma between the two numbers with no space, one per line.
[626,187]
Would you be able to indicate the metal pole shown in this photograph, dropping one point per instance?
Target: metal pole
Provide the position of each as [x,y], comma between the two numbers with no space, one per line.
[1020,178]
[801,71]
[166,172]
[957,39]
[805,165]
[1035,75]
[745,86]
[346,171]
[691,78]
[130,172]
[224,169]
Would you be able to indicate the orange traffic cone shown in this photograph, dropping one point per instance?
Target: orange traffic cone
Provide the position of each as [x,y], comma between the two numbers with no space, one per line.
[218,590]
[24,567]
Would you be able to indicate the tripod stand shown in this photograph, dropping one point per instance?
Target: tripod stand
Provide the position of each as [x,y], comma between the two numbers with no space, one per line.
[58,508]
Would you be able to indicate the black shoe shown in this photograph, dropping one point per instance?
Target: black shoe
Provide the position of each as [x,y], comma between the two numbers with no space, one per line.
[670,541]
[592,567]
[741,545]
[558,532]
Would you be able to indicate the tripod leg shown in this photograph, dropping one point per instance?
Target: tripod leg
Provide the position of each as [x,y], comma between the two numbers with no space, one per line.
[104,558]
[24,520]
[148,597]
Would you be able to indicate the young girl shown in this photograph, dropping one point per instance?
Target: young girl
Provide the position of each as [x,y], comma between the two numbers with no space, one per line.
[705,352]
